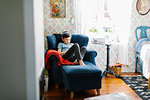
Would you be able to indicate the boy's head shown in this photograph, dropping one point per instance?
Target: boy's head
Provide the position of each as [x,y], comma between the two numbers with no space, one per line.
[66,37]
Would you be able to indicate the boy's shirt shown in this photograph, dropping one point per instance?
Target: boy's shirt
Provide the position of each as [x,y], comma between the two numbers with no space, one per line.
[64,47]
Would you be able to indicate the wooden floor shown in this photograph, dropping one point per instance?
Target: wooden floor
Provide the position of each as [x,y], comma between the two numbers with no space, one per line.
[110,84]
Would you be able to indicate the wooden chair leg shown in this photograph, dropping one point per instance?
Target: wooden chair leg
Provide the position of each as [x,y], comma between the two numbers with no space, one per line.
[98,91]
[95,91]
[56,86]
[71,94]
[65,89]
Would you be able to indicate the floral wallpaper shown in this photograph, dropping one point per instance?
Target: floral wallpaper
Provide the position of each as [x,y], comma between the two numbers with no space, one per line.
[58,25]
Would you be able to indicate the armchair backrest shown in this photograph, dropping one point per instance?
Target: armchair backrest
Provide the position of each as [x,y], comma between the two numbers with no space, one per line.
[53,40]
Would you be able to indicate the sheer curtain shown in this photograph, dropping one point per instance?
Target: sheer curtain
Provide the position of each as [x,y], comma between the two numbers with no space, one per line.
[86,15]
[100,13]
[120,16]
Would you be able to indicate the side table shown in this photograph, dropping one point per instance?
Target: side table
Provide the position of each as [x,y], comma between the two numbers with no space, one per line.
[107,64]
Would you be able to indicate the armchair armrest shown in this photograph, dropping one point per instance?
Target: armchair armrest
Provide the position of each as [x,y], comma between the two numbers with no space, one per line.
[56,71]
[90,56]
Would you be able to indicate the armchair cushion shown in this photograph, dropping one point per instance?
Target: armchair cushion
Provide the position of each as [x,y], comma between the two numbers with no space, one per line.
[76,78]
[82,40]
[78,72]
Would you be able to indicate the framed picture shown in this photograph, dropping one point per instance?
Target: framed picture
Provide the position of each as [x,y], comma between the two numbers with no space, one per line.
[143,6]
[58,8]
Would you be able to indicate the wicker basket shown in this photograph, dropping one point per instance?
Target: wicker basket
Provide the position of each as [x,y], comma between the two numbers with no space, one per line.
[116,70]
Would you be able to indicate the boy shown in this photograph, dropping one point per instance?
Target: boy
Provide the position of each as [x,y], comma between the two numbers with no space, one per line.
[71,51]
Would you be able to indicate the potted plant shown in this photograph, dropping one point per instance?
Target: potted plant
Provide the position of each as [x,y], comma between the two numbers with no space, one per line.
[93,30]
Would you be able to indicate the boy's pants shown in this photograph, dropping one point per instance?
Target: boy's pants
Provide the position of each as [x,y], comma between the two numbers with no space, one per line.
[75,53]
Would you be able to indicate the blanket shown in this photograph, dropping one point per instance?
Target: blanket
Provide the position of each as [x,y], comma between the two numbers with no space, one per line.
[142,44]
[145,56]
[61,61]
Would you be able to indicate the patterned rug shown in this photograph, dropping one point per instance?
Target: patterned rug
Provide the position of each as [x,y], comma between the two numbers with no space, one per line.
[139,85]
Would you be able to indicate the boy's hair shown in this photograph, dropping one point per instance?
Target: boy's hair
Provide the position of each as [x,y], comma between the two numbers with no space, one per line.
[65,34]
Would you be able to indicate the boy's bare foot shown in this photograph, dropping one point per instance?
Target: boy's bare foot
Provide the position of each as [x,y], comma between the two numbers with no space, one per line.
[81,62]
[76,62]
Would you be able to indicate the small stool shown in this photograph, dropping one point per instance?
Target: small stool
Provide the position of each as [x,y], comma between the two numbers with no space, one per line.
[76,78]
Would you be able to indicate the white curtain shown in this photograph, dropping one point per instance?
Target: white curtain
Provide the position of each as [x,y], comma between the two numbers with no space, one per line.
[86,12]
[120,12]
[106,12]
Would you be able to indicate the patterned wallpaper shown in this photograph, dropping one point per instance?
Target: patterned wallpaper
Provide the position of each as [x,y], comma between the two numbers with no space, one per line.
[136,20]
[58,25]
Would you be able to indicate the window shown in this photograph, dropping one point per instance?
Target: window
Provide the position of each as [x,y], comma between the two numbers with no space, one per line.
[92,14]
[110,17]
[106,16]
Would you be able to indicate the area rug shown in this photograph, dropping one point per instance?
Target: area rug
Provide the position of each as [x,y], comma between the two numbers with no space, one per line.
[139,85]
[113,96]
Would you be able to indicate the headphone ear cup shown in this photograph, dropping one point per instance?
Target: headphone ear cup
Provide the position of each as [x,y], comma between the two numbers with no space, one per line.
[65,32]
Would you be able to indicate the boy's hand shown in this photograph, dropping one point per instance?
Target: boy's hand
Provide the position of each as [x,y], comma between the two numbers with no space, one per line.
[61,53]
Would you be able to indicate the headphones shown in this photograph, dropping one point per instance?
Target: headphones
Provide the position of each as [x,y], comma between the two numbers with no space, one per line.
[65,32]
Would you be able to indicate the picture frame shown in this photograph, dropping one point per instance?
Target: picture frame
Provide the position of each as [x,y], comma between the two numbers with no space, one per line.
[143,6]
[58,8]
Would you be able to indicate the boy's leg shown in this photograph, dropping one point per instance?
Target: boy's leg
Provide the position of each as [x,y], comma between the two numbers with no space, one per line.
[83,51]
[73,53]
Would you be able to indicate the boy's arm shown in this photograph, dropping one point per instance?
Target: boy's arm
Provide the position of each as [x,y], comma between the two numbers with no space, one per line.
[61,53]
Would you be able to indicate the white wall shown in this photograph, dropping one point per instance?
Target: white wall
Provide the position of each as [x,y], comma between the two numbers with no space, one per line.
[33,11]
[21,49]
[39,35]
[39,38]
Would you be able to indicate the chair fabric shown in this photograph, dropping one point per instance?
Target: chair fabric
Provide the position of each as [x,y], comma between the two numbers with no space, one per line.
[53,40]
[76,78]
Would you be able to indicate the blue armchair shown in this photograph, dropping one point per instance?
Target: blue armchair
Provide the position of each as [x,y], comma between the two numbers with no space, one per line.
[73,76]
